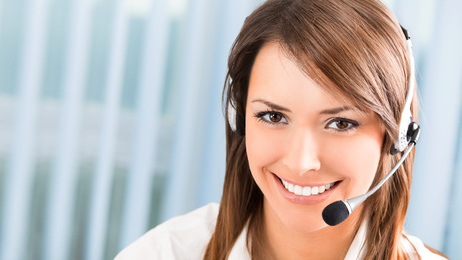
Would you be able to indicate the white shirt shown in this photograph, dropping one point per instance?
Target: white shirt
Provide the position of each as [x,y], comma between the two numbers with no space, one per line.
[186,237]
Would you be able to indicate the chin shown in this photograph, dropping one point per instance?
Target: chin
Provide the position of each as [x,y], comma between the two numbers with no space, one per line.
[306,224]
[298,218]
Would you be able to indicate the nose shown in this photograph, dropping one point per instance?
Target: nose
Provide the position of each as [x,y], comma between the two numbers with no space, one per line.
[302,153]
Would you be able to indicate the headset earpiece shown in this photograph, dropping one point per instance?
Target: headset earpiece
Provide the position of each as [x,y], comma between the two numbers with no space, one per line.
[232,117]
[236,121]
[402,140]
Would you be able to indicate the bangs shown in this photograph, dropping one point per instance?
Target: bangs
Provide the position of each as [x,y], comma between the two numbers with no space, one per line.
[309,68]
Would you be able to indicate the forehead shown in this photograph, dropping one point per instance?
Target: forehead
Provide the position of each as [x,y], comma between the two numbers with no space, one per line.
[278,74]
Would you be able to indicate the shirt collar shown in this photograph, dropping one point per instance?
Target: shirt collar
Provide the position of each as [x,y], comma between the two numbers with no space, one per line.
[356,251]
[358,246]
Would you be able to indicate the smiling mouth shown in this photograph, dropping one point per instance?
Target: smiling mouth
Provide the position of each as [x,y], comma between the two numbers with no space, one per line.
[307,190]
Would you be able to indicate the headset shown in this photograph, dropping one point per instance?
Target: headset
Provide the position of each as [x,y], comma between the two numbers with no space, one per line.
[408,136]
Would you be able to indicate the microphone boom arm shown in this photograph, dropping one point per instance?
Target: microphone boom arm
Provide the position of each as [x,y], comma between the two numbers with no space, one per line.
[356,201]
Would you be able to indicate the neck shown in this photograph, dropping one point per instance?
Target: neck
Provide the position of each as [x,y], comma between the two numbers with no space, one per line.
[326,243]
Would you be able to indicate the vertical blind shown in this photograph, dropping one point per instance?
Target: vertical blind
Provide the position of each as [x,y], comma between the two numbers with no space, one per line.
[111,119]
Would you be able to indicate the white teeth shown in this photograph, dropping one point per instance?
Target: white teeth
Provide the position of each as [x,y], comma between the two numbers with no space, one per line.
[291,187]
[306,191]
[314,190]
[298,190]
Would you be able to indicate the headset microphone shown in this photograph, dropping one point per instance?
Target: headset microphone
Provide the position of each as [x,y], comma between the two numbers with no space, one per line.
[408,135]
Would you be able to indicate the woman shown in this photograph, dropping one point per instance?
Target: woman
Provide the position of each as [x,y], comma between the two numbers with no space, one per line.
[315,93]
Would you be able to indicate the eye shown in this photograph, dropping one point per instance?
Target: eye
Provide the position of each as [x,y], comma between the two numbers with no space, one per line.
[274,117]
[271,117]
[342,124]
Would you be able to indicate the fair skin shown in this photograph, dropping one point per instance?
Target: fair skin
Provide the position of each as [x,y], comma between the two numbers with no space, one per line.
[299,134]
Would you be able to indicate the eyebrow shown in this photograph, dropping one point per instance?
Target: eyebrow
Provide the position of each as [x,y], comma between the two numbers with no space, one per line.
[331,111]
[272,105]
[336,110]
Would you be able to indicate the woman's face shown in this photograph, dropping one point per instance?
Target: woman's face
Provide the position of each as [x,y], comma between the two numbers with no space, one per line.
[305,148]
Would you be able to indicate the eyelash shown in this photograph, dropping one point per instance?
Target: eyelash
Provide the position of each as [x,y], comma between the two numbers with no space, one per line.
[261,117]
[352,124]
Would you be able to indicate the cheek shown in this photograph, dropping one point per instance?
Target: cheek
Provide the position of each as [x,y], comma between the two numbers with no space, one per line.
[260,151]
[358,162]
[263,150]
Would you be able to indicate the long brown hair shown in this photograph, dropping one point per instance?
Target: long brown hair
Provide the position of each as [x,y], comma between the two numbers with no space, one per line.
[360,48]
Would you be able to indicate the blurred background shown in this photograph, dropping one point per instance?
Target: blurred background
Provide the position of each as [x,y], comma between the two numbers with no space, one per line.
[111,119]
